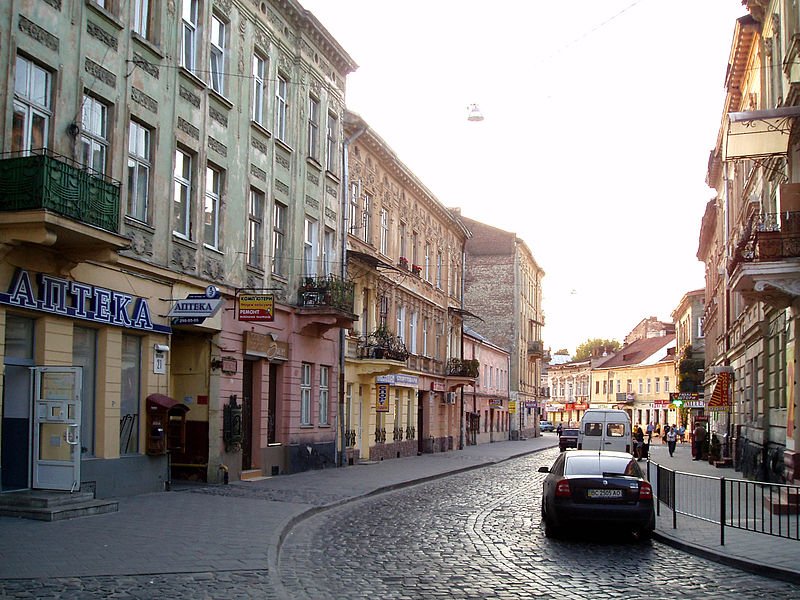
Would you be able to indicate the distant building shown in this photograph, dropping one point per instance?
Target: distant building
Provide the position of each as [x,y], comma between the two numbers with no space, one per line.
[647,328]
[486,402]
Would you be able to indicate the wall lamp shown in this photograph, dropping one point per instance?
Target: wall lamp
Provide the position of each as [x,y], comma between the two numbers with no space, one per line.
[161,348]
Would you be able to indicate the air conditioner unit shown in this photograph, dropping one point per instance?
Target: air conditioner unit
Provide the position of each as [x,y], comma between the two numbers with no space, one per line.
[450,398]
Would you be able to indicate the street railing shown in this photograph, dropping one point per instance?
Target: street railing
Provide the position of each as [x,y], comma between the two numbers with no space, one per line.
[767,508]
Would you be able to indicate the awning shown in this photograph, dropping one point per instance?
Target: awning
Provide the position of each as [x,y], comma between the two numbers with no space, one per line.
[720,397]
[758,133]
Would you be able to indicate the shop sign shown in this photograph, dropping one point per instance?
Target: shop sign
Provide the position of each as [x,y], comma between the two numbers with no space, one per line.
[256,307]
[382,398]
[437,386]
[196,308]
[581,406]
[263,345]
[496,403]
[570,406]
[512,406]
[661,403]
[57,296]
[530,403]
[399,379]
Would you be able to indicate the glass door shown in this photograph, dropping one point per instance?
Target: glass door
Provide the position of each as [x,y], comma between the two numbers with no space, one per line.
[56,427]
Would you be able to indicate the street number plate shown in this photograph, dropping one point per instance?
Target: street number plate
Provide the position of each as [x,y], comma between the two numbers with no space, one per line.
[605,493]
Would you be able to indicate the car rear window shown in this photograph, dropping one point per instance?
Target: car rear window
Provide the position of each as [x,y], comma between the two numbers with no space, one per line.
[615,429]
[570,432]
[597,465]
[593,429]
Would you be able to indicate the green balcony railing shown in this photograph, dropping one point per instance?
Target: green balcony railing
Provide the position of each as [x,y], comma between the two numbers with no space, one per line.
[327,291]
[44,180]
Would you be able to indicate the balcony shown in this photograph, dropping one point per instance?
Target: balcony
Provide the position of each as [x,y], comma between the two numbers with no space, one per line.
[535,349]
[49,200]
[382,345]
[325,302]
[458,367]
[765,265]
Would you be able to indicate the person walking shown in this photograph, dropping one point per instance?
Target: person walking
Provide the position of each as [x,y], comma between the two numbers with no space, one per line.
[672,437]
[639,437]
[699,440]
[682,433]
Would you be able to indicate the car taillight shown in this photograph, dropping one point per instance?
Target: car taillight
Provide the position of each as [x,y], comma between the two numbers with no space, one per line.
[562,489]
[645,491]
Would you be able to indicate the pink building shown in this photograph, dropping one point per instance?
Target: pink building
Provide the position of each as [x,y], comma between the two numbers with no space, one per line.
[486,415]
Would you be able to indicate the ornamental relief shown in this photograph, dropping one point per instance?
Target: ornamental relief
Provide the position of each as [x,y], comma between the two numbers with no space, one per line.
[183,259]
[213,269]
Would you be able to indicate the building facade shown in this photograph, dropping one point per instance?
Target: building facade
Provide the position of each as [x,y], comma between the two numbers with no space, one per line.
[486,416]
[501,272]
[172,214]
[569,385]
[748,242]
[405,365]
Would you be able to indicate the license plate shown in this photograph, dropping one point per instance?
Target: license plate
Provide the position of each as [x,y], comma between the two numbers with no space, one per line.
[605,494]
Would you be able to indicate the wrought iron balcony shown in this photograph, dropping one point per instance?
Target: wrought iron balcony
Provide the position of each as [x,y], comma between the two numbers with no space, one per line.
[45,180]
[382,345]
[327,291]
[535,349]
[458,367]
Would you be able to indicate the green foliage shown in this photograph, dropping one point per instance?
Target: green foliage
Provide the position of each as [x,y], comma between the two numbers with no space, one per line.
[595,346]
[690,373]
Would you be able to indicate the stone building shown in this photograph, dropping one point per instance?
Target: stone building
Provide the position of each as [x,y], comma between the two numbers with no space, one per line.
[486,416]
[501,273]
[171,216]
[405,363]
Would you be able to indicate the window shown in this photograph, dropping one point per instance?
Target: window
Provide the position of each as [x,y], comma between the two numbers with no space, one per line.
[354,220]
[401,322]
[331,152]
[367,219]
[141,18]
[281,99]
[130,393]
[658,384]
[425,336]
[259,88]
[211,207]
[328,252]
[641,386]
[427,262]
[84,355]
[31,106]
[255,230]
[323,395]
[401,238]
[310,248]
[666,384]
[305,394]
[619,384]
[182,206]
[414,248]
[138,171]
[439,270]
[94,134]
[649,386]
[313,127]
[217,60]
[384,239]
[412,333]
[629,386]
[189,34]
[700,332]
[278,238]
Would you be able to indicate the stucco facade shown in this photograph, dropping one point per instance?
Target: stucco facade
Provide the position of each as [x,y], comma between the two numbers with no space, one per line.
[486,415]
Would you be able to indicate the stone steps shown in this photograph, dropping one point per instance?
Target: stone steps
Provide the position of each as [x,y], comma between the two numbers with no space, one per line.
[47,505]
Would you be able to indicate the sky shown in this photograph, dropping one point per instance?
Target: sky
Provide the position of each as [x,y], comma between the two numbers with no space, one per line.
[598,123]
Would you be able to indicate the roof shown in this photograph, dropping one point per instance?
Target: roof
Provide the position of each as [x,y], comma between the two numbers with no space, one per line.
[647,351]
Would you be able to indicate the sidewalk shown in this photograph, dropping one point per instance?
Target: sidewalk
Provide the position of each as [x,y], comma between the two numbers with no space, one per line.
[178,532]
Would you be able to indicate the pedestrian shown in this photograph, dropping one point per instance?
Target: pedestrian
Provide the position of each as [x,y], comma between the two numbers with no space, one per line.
[649,432]
[639,437]
[682,433]
[699,440]
[672,437]
[559,429]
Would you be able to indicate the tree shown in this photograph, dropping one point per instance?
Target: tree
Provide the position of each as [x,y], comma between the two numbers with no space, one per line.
[595,347]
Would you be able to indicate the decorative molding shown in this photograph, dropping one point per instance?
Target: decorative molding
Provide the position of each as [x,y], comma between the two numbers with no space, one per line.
[282,161]
[312,178]
[189,96]
[142,99]
[259,145]
[281,187]
[224,6]
[39,34]
[55,4]
[217,146]
[184,259]
[100,73]
[213,269]
[141,243]
[188,128]
[311,201]
[258,173]
[331,191]
[145,65]
[330,214]
[97,32]
[218,116]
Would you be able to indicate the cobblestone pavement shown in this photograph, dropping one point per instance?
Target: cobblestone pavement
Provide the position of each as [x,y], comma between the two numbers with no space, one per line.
[478,535]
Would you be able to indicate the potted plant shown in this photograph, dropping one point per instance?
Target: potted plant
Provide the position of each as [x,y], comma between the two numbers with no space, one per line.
[416,270]
[403,262]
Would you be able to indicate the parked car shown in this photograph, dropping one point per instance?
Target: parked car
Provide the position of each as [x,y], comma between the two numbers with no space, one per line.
[596,488]
[546,426]
[606,429]
[568,439]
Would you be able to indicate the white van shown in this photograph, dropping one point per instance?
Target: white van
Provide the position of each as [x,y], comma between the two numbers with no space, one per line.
[605,429]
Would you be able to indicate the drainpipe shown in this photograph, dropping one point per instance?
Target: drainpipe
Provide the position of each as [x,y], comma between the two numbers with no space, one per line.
[343,273]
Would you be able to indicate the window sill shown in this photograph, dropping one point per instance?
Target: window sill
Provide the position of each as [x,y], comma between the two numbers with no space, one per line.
[314,163]
[325,426]
[213,249]
[332,176]
[109,17]
[307,426]
[136,223]
[260,128]
[150,45]
[284,145]
[219,97]
[193,79]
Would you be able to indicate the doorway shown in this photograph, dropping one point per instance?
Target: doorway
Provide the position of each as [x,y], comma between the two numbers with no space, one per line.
[247,415]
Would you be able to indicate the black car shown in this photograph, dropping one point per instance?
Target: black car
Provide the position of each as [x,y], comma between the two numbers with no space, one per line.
[591,488]
[568,439]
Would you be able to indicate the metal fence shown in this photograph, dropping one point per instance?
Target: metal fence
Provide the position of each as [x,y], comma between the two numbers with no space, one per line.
[768,508]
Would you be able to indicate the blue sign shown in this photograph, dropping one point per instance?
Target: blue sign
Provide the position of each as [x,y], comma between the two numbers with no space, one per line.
[63,297]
